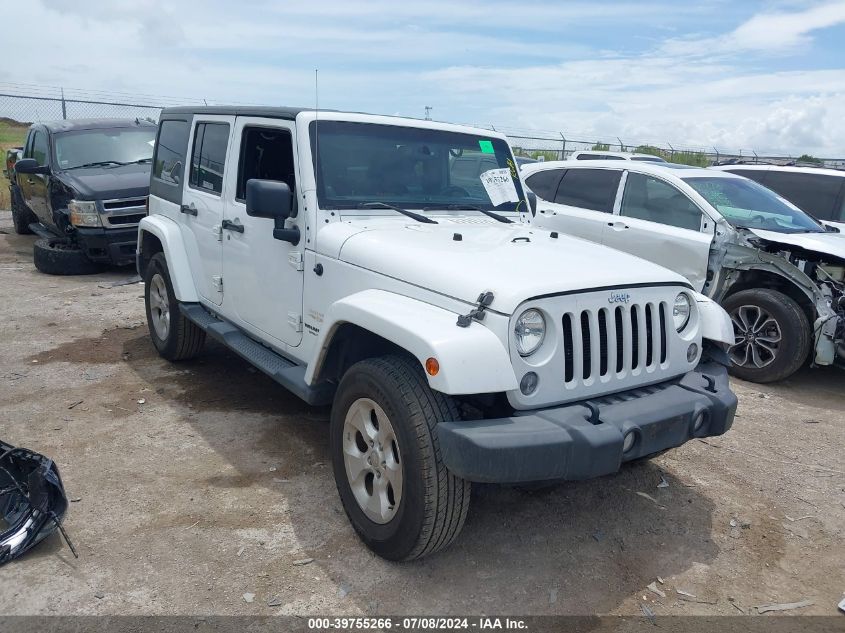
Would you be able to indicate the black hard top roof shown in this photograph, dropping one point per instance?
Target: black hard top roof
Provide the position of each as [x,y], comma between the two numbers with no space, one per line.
[92,124]
[256,111]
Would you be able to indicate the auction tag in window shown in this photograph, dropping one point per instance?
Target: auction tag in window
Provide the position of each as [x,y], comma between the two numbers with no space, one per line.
[499,186]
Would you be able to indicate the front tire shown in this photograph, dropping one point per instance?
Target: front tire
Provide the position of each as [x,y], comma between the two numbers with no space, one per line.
[399,496]
[174,336]
[772,337]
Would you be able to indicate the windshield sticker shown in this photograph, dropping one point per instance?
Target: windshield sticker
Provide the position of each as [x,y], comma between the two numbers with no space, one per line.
[499,186]
[486,147]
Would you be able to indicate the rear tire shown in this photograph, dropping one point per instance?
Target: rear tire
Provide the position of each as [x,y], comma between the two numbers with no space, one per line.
[174,336]
[22,217]
[58,256]
[772,335]
[427,509]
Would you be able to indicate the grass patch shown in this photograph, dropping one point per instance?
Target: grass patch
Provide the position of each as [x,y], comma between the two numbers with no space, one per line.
[12,134]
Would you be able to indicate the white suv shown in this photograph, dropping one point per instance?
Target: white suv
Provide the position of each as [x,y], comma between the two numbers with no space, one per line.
[815,190]
[354,260]
[595,154]
[778,273]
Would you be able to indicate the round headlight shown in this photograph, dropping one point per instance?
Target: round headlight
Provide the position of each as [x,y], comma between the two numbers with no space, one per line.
[529,332]
[681,311]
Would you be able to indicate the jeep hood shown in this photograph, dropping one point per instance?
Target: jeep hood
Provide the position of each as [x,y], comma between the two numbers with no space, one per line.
[830,244]
[514,262]
[107,183]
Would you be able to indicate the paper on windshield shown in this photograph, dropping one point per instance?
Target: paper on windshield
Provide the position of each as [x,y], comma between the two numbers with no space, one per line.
[499,186]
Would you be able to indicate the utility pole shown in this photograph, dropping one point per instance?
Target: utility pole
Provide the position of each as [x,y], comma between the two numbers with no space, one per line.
[428,110]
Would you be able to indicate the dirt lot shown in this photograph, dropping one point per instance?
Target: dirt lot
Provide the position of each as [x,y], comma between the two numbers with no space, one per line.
[197,483]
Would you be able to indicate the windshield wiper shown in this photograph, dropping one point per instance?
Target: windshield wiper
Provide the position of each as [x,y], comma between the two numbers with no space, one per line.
[472,207]
[410,214]
[99,163]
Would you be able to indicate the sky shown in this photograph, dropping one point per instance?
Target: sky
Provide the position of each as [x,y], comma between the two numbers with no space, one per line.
[762,75]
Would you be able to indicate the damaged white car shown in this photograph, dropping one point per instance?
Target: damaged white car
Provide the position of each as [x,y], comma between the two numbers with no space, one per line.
[778,272]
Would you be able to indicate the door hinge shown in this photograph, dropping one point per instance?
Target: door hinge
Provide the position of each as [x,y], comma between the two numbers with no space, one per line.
[295,321]
[295,260]
[217,282]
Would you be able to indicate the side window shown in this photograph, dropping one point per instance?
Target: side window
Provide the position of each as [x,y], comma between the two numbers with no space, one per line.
[599,157]
[209,156]
[39,147]
[757,175]
[544,183]
[839,216]
[648,198]
[593,189]
[27,150]
[171,145]
[267,154]
[814,193]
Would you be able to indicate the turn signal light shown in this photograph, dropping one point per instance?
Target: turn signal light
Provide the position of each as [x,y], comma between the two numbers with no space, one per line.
[432,367]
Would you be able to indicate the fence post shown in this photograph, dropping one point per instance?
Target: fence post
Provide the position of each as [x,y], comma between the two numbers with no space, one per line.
[563,150]
[621,145]
[64,107]
[717,154]
[672,151]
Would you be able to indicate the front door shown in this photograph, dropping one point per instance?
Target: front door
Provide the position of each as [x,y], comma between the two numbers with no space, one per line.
[262,276]
[203,200]
[659,223]
[34,186]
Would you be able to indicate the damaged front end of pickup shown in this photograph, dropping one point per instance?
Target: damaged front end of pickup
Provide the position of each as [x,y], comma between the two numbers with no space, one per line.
[805,267]
[32,501]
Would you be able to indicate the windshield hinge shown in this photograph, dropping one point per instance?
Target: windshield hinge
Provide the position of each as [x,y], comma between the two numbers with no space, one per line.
[484,300]
[217,282]
[295,321]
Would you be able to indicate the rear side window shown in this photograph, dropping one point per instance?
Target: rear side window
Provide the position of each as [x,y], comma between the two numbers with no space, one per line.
[169,159]
[815,194]
[544,183]
[598,157]
[209,156]
[593,189]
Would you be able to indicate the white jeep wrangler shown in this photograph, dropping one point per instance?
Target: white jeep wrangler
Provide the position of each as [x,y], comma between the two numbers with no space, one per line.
[386,266]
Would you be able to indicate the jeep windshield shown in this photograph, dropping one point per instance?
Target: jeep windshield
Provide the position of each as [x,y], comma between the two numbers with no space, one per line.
[104,147]
[746,204]
[408,167]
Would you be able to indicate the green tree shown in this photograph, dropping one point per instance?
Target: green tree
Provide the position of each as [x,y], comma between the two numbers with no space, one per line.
[652,151]
[806,158]
[601,147]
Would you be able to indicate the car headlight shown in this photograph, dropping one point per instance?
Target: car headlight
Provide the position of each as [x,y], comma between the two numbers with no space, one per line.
[529,331]
[84,213]
[681,311]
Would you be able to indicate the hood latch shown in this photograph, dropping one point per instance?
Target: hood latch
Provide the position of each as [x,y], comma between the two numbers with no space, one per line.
[484,300]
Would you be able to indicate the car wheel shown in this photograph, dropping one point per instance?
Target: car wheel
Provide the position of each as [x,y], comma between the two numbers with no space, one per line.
[58,256]
[771,335]
[399,496]
[21,216]
[174,336]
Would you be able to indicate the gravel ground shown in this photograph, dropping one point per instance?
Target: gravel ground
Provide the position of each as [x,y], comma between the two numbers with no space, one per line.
[195,485]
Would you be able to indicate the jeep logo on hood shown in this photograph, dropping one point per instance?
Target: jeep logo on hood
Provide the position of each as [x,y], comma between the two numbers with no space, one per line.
[619,297]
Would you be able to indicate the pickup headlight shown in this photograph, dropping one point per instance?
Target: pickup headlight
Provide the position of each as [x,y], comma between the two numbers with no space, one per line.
[529,332]
[681,311]
[84,213]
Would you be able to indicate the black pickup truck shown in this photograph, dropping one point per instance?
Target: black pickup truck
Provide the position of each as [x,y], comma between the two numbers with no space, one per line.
[82,186]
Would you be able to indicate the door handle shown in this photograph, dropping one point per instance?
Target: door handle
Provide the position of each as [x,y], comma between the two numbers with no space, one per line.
[619,226]
[232,226]
[188,210]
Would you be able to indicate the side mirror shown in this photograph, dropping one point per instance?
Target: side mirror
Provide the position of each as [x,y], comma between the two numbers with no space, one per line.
[272,199]
[30,166]
[532,202]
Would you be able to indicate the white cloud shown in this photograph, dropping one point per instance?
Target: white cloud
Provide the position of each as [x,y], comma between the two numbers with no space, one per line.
[520,65]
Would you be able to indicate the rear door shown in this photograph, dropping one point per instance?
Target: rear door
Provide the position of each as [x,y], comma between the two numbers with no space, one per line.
[658,222]
[262,276]
[583,202]
[203,200]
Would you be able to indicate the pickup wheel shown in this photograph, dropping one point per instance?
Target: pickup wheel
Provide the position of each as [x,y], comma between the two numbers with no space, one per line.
[21,216]
[174,336]
[772,335]
[58,256]
[395,489]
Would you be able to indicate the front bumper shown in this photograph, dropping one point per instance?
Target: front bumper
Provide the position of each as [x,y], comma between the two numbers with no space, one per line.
[584,440]
[108,246]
